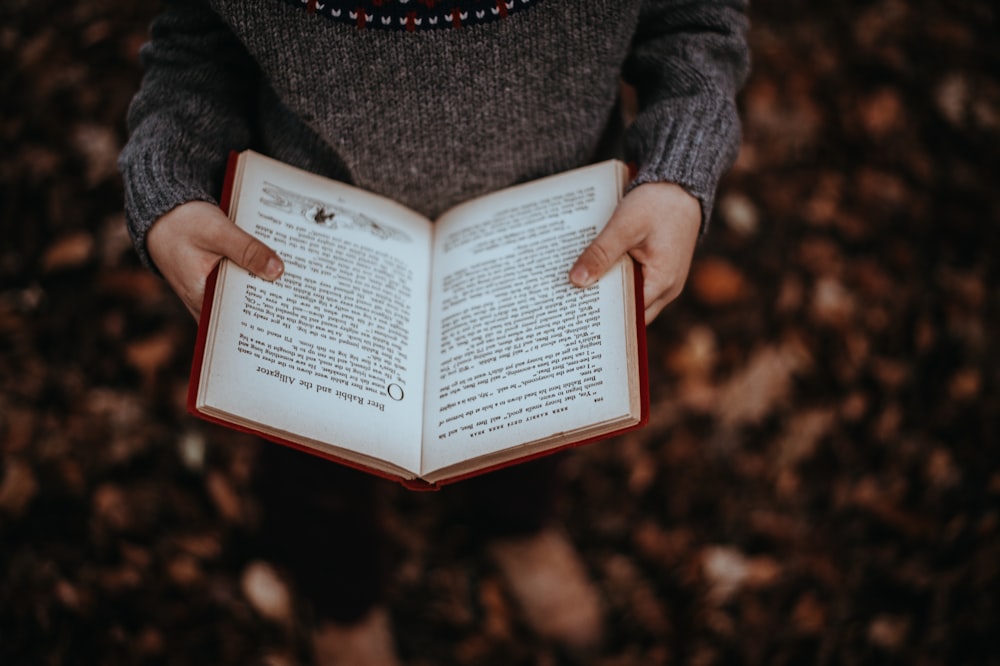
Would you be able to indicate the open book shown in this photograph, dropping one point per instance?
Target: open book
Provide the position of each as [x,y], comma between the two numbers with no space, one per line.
[423,351]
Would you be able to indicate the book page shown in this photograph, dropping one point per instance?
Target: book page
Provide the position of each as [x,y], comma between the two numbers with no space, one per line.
[518,354]
[333,350]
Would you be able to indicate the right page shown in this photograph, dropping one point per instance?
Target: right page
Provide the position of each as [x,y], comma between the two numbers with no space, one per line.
[518,357]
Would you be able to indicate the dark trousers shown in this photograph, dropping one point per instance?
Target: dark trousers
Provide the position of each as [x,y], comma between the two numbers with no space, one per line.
[318,521]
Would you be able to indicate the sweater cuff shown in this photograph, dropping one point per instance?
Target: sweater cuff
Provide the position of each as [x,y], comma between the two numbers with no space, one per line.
[156,184]
[692,148]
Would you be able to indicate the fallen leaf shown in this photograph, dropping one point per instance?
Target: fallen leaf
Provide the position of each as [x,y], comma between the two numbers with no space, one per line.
[739,213]
[809,615]
[966,384]
[150,355]
[882,112]
[205,546]
[801,435]
[69,595]
[649,611]
[941,471]
[99,147]
[191,448]
[825,202]
[497,612]
[224,497]
[791,296]
[111,507]
[889,632]
[665,548]
[717,282]
[17,426]
[134,284]
[952,95]
[71,251]
[759,388]
[881,191]
[832,304]
[184,570]
[821,257]
[18,488]
[727,571]
[696,355]
[267,592]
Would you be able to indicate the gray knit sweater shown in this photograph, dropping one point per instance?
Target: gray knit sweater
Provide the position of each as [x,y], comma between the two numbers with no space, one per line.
[431,102]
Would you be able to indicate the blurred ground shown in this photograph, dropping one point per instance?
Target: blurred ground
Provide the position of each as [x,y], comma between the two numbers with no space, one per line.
[820,483]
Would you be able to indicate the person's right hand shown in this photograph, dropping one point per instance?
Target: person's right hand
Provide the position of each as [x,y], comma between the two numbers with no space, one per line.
[187,243]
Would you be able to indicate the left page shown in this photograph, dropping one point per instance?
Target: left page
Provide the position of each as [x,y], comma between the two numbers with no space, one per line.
[331,355]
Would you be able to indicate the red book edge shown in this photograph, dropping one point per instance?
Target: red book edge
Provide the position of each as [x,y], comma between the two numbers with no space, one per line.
[412,484]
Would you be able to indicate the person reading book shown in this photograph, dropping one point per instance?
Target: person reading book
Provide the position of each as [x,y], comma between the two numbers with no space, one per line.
[431,103]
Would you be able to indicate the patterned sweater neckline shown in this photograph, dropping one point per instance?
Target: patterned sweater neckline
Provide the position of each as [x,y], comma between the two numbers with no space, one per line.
[413,15]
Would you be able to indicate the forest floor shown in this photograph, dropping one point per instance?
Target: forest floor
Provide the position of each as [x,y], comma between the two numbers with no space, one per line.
[820,479]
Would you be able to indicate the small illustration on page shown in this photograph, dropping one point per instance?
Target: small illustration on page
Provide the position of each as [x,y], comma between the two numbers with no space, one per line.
[331,216]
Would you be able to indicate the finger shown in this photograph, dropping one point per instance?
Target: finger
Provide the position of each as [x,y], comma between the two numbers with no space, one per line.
[248,252]
[656,307]
[190,285]
[663,283]
[602,253]
[195,310]
[655,294]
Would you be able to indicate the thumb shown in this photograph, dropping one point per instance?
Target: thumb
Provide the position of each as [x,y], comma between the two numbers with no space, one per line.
[600,255]
[249,252]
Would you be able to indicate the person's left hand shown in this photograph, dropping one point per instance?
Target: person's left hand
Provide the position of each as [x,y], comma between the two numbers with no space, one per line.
[658,225]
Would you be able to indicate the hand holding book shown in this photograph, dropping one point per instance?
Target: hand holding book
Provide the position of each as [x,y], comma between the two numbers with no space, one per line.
[190,240]
[658,225]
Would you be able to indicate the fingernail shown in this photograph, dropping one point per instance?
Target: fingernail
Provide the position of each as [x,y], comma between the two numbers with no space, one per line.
[273,269]
[579,276]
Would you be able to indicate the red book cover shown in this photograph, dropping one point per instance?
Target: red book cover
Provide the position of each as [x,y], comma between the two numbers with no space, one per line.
[414,484]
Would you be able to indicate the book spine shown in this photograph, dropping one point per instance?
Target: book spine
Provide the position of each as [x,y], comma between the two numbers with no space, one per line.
[225,198]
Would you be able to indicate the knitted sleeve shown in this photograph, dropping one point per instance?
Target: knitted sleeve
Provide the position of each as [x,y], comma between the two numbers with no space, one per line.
[688,61]
[193,107]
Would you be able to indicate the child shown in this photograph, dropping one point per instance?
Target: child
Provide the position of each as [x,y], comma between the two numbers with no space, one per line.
[431,102]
